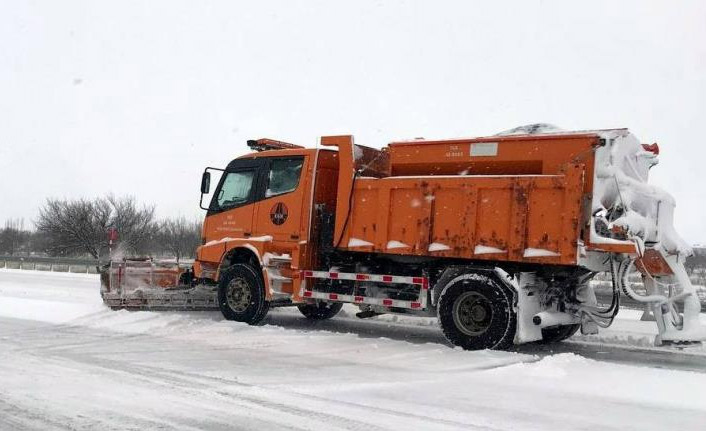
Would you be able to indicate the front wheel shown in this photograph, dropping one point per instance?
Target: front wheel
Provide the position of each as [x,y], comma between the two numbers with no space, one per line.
[476,312]
[320,310]
[241,294]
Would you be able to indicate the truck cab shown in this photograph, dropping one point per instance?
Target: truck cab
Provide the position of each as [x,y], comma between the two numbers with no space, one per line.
[262,213]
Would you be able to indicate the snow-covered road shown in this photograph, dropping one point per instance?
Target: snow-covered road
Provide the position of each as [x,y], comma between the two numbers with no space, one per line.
[67,362]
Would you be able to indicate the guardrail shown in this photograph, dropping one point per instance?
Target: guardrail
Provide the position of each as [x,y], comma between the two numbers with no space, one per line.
[601,283]
[55,264]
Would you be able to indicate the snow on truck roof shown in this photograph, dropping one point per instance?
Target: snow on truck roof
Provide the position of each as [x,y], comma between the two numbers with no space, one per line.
[539,131]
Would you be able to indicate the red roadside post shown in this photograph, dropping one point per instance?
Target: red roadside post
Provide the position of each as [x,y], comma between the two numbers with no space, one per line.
[112,237]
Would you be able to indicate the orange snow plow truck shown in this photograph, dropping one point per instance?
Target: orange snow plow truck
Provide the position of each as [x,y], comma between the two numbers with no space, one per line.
[497,236]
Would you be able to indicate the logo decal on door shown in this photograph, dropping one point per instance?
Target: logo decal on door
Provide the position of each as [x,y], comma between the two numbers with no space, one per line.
[279,213]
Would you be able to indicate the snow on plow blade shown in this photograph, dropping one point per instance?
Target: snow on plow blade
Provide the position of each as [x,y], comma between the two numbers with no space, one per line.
[148,284]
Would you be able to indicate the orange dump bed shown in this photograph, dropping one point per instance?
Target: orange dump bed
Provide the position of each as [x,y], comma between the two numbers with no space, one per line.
[520,199]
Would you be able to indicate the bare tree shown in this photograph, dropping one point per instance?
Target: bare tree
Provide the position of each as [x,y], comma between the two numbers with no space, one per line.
[74,227]
[38,243]
[14,238]
[78,227]
[135,224]
[179,236]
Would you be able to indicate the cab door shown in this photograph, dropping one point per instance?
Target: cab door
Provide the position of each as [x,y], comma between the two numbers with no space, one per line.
[284,186]
[230,214]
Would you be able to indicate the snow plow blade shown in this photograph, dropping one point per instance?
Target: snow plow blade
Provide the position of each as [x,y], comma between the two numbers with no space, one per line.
[150,284]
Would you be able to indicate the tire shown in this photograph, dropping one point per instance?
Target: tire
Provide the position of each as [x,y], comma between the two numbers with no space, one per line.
[320,310]
[556,334]
[241,294]
[475,311]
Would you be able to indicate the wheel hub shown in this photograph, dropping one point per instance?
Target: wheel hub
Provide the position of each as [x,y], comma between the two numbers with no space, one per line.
[472,313]
[238,295]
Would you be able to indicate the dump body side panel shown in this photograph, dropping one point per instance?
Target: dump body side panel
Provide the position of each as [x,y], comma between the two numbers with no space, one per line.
[520,218]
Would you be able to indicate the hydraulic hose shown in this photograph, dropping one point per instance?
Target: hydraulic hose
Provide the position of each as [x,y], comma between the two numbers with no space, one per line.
[612,310]
[630,293]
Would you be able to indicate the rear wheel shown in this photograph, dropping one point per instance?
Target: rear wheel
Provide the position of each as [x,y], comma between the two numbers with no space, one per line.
[559,333]
[320,310]
[476,312]
[241,294]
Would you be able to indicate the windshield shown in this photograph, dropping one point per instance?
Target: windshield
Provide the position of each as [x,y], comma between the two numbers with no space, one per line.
[235,189]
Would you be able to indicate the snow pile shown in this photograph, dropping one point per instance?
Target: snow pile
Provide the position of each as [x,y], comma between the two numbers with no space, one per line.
[395,244]
[53,297]
[357,242]
[539,252]
[484,249]
[268,257]
[588,379]
[263,238]
[628,330]
[437,246]
[532,129]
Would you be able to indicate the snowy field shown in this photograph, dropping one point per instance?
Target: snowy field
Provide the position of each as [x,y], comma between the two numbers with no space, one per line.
[67,362]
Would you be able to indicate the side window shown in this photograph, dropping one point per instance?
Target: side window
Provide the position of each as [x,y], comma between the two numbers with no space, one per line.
[235,189]
[283,176]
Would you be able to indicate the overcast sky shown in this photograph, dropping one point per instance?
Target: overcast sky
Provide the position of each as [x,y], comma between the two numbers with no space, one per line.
[138,97]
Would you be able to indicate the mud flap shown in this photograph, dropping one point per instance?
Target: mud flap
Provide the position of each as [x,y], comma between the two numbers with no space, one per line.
[527,306]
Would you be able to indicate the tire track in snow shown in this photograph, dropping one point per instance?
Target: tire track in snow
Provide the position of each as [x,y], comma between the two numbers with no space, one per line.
[197,385]
[183,379]
[172,379]
[19,417]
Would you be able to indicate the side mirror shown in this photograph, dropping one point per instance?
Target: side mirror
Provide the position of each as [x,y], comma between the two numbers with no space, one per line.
[205,182]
